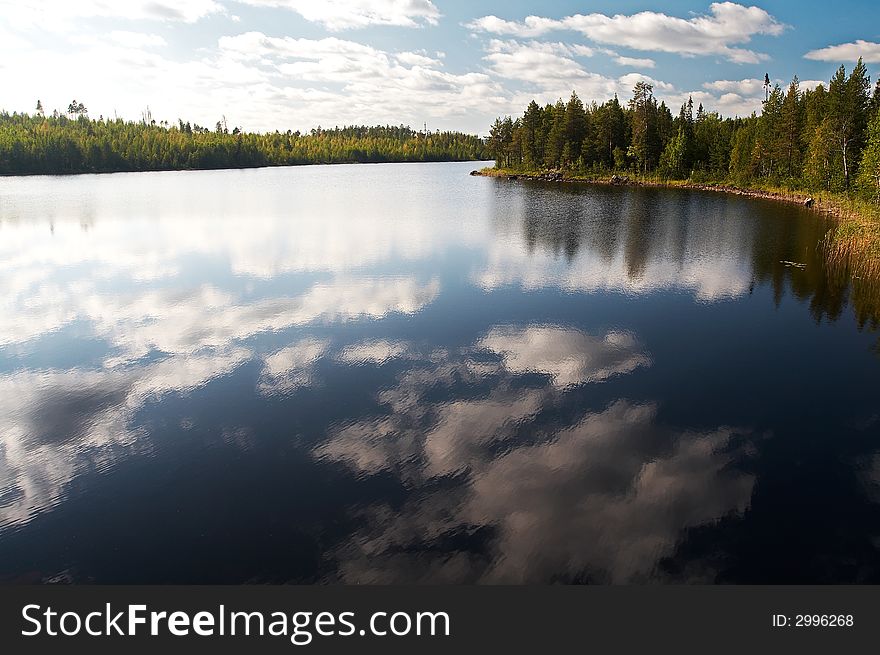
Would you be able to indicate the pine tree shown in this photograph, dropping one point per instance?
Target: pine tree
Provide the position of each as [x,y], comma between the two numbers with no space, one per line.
[791,127]
[575,129]
[532,141]
[555,135]
[644,146]
[769,147]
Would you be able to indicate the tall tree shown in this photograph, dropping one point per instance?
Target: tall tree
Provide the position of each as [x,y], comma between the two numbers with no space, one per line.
[574,127]
[791,127]
[848,107]
[532,139]
[609,131]
[769,147]
[645,143]
[555,117]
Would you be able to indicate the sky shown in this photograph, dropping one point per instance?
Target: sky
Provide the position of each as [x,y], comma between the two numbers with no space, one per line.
[298,64]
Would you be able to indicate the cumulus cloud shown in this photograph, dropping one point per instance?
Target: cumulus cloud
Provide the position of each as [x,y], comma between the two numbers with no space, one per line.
[869,51]
[635,61]
[537,62]
[744,87]
[730,97]
[369,84]
[551,71]
[727,24]
[259,81]
[339,15]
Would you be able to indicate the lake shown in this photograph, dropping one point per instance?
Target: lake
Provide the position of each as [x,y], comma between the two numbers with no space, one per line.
[399,373]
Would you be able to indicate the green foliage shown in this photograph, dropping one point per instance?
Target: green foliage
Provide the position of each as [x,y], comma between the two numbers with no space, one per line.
[813,140]
[824,170]
[741,152]
[848,112]
[674,158]
[869,170]
[57,144]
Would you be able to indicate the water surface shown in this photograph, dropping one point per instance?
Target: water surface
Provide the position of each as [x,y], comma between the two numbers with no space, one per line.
[400,373]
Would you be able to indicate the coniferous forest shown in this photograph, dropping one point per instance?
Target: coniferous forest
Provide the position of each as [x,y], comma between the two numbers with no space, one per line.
[74,143]
[822,139]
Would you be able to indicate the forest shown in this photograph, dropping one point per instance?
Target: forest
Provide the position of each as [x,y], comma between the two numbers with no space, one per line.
[72,142]
[821,139]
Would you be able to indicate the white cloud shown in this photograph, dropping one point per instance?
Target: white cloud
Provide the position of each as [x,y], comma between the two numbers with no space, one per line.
[374,86]
[634,61]
[55,14]
[727,104]
[417,59]
[543,64]
[531,26]
[848,52]
[726,25]
[338,15]
[551,72]
[259,82]
[629,80]
[730,97]
[809,85]
[742,87]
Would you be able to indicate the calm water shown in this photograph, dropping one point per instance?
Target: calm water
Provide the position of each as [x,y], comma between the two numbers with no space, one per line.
[400,373]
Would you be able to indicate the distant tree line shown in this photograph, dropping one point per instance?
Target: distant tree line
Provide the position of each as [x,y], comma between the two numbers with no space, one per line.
[75,143]
[819,139]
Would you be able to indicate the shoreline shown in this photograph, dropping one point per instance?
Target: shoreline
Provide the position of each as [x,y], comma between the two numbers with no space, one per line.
[239,168]
[805,200]
[854,244]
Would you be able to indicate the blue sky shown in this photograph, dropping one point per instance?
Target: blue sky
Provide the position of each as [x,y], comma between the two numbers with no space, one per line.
[295,64]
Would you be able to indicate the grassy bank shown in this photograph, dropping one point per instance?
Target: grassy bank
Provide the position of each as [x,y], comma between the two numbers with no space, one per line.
[854,245]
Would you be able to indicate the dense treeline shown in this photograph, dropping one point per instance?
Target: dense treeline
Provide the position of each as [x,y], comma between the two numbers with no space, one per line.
[821,139]
[77,144]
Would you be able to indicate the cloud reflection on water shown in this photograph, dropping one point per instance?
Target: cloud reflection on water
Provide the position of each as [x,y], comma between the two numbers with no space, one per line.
[58,424]
[603,498]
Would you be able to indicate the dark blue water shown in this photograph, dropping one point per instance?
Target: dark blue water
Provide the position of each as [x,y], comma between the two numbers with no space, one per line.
[400,373]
